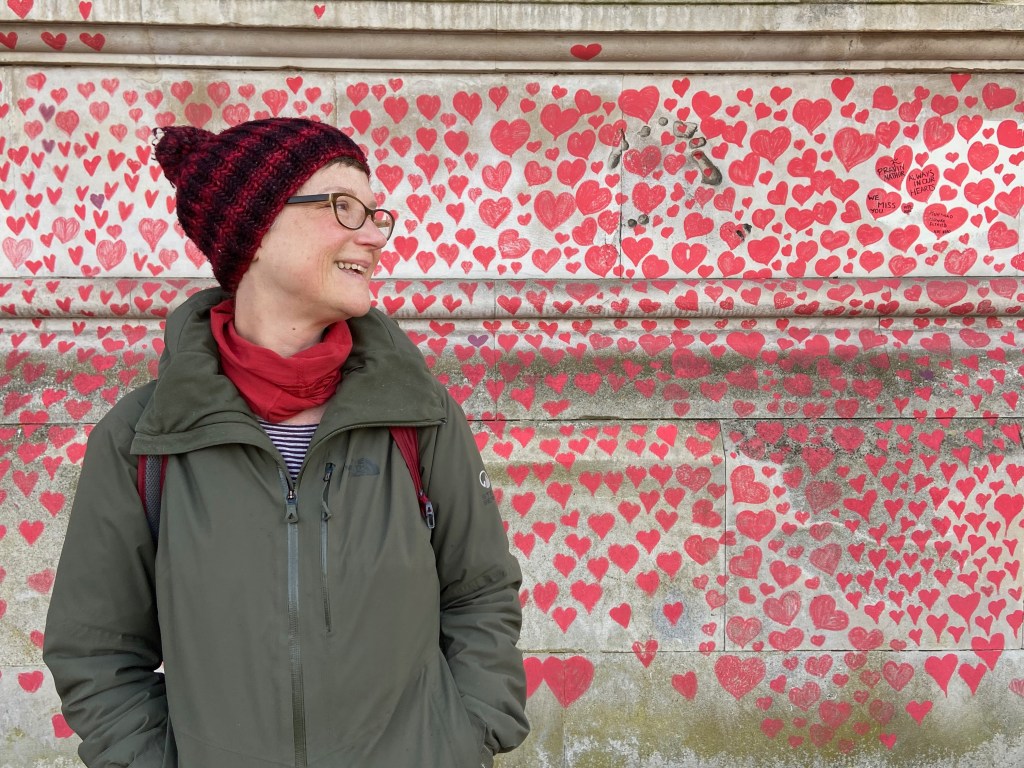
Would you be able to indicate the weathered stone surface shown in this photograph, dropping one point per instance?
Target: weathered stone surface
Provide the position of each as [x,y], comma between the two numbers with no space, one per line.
[870,533]
[34,731]
[38,470]
[798,709]
[740,345]
[613,523]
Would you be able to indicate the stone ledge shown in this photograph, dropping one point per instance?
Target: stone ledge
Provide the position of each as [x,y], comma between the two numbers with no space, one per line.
[584,50]
[128,299]
[491,16]
[69,371]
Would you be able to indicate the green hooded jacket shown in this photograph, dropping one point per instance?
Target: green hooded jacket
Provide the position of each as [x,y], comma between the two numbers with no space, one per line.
[316,622]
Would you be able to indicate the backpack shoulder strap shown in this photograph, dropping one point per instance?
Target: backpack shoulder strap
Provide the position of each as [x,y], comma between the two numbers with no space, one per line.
[406,440]
[151,485]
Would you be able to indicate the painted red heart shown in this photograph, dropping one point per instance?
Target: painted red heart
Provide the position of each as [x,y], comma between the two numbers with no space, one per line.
[568,678]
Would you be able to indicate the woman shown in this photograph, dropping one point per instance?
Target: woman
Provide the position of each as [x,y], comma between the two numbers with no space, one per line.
[305,612]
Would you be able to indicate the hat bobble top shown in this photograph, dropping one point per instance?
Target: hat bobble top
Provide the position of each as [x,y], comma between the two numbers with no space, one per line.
[230,186]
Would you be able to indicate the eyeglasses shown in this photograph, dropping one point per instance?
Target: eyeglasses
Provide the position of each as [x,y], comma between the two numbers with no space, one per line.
[350,211]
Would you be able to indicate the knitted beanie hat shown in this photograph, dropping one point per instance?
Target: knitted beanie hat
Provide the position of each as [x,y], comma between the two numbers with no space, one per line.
[230,186]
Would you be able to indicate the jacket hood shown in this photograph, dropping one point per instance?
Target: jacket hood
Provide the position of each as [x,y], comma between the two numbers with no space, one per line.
[194,404]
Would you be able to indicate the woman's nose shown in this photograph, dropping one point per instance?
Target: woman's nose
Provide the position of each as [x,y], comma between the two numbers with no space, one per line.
[372,234]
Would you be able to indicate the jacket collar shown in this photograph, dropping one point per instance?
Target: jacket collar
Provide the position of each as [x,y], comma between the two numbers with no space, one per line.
[385,382]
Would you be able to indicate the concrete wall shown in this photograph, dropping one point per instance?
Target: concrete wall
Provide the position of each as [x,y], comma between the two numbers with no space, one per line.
[732,294]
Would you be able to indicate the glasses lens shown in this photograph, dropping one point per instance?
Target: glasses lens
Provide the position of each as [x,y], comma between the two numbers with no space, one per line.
[384,222]
[349,211]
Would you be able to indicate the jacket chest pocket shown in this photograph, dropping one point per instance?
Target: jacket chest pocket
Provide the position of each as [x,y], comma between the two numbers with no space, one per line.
[372,537]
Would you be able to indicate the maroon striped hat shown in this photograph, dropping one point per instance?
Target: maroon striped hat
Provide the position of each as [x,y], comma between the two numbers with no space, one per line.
[230,186]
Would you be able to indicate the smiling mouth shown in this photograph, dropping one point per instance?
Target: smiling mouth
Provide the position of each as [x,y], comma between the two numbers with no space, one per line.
[345,266]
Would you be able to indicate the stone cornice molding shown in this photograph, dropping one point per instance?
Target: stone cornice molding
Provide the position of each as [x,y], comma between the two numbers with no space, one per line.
[518,36]
[643,16]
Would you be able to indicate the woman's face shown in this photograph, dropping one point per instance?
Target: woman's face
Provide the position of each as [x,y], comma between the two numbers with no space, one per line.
[309,267]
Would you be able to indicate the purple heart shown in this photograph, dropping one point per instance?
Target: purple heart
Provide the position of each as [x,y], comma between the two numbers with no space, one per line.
[97,200]
[47,111]
[477,341]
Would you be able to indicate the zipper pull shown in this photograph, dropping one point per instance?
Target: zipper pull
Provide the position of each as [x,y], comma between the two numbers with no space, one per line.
[427,508]
[291,500]
[324,508]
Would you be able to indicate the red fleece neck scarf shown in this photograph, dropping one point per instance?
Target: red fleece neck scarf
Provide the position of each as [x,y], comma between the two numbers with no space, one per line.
[276,388]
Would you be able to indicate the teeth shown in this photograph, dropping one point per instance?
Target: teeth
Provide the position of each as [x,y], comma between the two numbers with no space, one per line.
[352,267]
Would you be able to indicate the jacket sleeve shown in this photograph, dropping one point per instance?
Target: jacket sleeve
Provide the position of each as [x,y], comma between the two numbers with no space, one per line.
[102,640]
[479,580]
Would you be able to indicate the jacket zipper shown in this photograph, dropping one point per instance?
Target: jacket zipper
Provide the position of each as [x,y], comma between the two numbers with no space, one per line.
[294,646]
[325,516]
